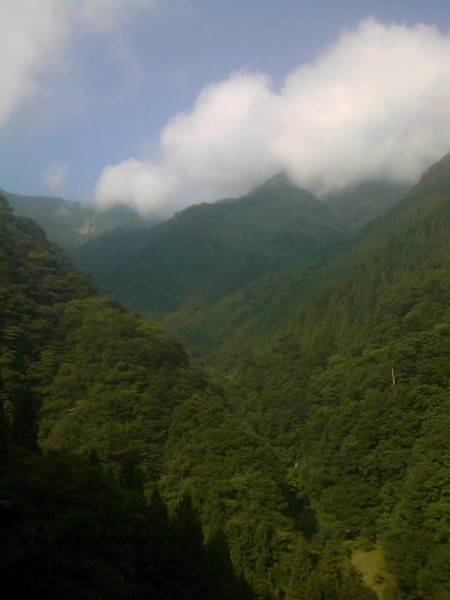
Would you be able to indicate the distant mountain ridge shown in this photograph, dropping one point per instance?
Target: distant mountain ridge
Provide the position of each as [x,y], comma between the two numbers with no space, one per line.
[72,223]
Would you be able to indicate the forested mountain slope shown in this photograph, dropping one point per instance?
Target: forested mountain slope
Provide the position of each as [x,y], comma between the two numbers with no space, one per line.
[352,388]
[322,428]
[116,408]
[211,250]
[101,385]
[324,301]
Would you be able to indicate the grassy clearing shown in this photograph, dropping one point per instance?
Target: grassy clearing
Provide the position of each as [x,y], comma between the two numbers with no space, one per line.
[372,566]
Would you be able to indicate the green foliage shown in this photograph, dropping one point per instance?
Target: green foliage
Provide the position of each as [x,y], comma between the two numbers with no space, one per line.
[344,369]
[110,373]
[64,529]
[105,384]
[110,386]
[325,428]
[24,423]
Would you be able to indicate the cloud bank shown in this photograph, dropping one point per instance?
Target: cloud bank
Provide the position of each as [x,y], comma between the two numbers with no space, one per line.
[376,104]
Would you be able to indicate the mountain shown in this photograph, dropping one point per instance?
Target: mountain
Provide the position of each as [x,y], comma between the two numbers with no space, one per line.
[98,411]
[88,396]
[312,444]
[362,265]
[351,383]
[72,223]
[210,250]
[342,366]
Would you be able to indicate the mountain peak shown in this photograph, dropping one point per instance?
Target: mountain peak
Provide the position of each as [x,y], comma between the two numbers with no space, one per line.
[278,181]
[278,178]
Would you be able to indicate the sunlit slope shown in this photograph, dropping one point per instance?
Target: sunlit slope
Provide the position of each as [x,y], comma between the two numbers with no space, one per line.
[88,396]
[92,366]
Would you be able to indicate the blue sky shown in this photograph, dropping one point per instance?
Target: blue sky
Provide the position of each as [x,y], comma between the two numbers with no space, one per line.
[98,87]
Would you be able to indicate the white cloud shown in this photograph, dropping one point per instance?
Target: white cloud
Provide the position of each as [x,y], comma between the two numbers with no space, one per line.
[375,104]
[220,146]
[368,107]
[36,36]
[31,32]
[55,176]
[131,180]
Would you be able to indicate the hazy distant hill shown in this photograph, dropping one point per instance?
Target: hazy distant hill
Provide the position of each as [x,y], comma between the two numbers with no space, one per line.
[210,250]
[358,205]
[72,223]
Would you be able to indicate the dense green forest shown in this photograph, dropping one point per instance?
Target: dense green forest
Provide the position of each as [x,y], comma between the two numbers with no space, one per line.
[308,433]
[351,387]
[99,411]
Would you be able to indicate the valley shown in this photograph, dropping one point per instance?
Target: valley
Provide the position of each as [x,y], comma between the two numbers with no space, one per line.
[278,397]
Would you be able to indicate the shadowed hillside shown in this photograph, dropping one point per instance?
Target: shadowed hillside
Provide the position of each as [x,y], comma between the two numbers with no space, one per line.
[210,250]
